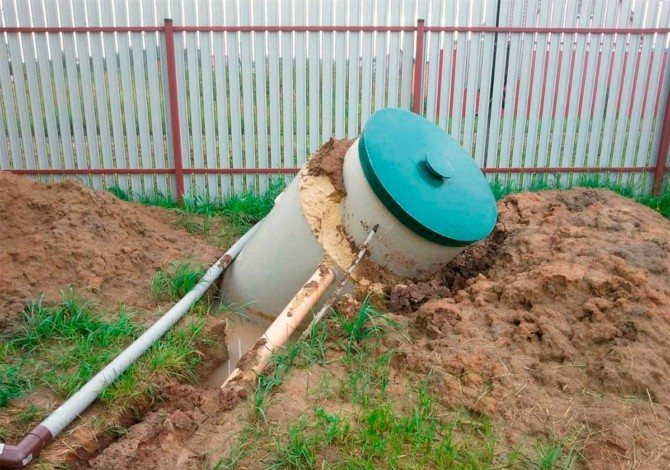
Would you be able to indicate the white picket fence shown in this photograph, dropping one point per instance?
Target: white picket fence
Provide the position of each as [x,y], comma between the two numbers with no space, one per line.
[267,99]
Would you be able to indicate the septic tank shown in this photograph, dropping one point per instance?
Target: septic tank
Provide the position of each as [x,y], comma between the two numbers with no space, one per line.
[406,175]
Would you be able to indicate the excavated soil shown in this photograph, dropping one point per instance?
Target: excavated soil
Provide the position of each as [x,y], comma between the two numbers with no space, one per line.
[65,234]
[566,332]
[328,160]
[61,235]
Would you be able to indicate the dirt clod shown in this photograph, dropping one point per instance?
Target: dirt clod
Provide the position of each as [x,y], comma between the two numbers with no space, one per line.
[328,160]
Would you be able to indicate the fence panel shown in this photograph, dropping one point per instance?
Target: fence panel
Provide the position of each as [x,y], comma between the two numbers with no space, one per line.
[93,103]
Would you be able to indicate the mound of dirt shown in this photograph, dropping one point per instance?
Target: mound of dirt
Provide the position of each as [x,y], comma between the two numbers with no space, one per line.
[565,332]
[328,160]
[61,234]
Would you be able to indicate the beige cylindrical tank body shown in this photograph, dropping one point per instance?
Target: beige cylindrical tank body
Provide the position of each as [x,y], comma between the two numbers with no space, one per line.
[395,246]
[276,262]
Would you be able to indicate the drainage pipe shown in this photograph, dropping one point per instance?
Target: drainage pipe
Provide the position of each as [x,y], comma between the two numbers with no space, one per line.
[283,327]
[18,456]
[333,298]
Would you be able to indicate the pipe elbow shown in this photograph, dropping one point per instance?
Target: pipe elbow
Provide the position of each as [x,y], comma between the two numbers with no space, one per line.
[24,452]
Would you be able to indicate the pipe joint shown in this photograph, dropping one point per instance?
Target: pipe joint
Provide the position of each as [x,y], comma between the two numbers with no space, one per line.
[22,454]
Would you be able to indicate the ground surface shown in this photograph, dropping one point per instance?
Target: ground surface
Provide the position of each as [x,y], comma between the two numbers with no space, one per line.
[52,236]
[554,330]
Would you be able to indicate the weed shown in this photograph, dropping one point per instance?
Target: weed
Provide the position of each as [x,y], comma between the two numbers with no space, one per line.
[176,280]
[12,384]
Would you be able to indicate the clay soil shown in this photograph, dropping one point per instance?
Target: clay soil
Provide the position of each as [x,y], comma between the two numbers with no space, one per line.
[555,327]
[64,234]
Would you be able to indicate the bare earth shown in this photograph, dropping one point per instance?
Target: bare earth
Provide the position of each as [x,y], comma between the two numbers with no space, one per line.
[61,234]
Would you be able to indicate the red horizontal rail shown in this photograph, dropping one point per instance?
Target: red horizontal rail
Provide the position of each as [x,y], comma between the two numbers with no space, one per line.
[576,169]
[96,171]
[255,171]
[154,171]
[540,29]
[82,29]
[268,28]
[272,29]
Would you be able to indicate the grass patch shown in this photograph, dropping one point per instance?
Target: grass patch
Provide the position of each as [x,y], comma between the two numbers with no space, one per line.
[61,346]
[176,280]
[659,203]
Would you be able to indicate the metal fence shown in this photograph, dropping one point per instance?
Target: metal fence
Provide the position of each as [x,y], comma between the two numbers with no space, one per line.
[229,93]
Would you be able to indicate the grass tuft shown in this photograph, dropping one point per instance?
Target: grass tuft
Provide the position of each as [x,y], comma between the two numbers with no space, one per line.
[176,280]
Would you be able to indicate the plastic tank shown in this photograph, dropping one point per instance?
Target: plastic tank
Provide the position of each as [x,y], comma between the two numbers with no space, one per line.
[405,174]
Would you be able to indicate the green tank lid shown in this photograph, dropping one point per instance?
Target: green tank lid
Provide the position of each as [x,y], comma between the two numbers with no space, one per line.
[425,179]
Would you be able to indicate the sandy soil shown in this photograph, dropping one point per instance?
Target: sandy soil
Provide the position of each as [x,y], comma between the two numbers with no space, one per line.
[557,325]
[56,235]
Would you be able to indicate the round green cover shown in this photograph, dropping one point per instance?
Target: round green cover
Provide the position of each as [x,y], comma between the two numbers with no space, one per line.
[426,179]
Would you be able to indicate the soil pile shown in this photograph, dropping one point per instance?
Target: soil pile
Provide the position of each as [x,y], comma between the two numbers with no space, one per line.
[61,234]
[566,331]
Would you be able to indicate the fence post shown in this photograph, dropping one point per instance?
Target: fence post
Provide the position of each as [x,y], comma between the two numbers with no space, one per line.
[174,108]
[417,97]
[662,155]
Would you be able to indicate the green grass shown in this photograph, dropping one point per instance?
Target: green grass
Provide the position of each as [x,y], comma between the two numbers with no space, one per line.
[660,203]
[176,280]
[199,214]
[61,346]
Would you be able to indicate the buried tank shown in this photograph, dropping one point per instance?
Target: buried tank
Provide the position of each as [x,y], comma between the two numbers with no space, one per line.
[403,174]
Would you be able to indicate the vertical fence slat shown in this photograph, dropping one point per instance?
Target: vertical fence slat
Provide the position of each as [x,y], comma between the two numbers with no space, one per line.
[261,94]
[18,84]
[354,58]
[367,49]
[52,147]
[537,83]
[138,56]
[274,96]
[222,92]
[482,102]
[205,58]
[327,46]
[651,122]
[314,59]
[407,54]
[100,91]
[637,92]
[33,90]
[288,130]
[340,74]
[87,93]
[473,76]
[394,57]
[300,17]
[380,59]
[619,157]
[233,67]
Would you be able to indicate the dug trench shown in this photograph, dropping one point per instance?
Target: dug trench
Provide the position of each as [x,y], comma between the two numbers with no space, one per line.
[555,329]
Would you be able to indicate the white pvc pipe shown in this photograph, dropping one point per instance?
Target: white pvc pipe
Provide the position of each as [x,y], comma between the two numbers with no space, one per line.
[77,403]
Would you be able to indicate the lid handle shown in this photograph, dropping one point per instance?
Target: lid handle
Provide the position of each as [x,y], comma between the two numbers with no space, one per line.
[439,165]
